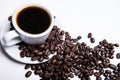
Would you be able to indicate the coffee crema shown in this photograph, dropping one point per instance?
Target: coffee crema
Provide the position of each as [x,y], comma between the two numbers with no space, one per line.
[33,20]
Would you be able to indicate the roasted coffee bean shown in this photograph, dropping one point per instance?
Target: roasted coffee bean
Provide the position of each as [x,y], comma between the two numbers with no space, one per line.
[97,74]
[62,32]
[98,78]
[107,71]
[37,72]
[21,47]
[54,27]
[22,54]
[27,66]
[32,67]
[118,65]
[34,58]
[112,66]
[106,78]
[37,67]
[28,74]
[71,75]
[77,73]
[116,45]
[79,37]
[89,35]
[74,48]
[118,55]
[27,54]
[41,59]
[42,45]
[67,35]
[101,71]
[92,40]
[35,51]
[40,53]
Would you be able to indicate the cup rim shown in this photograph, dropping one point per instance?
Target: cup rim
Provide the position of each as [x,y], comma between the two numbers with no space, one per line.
[20,31]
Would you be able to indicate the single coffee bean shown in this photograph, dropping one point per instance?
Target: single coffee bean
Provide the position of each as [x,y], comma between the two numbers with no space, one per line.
[28,74]
[89,35]
[118,65]
[101,71]
[41,59]
[92,40]
[107,71]
[116,45]
[34,58]
[112,66]
[27,54]
[37,72]
[40,53]
[97,74]
[54,27]
[118,55]
[32,67]
[79,37]
[37,67]
[35,51]
[62,32]
[22,54]
[27,66]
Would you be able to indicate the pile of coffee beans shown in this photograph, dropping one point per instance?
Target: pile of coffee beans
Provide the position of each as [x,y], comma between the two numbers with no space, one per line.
[73,58]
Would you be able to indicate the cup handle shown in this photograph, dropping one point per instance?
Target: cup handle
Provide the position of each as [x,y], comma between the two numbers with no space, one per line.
[11,38]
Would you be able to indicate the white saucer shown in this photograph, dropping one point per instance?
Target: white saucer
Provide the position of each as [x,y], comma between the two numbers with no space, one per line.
[13,51]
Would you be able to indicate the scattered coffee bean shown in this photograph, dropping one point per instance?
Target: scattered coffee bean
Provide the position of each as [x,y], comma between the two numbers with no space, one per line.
[97,74]
[118,65]
[112,66]
[27,66]
[92,40]
[107,71]
[118,55]
[28,74]
[89,35]
[79,37]
[116,45]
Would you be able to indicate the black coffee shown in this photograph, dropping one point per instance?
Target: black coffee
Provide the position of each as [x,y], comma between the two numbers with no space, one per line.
[33,20]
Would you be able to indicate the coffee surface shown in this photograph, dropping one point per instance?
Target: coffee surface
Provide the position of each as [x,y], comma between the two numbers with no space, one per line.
[33,20]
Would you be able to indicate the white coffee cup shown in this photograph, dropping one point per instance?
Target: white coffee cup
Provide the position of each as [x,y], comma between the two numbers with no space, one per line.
[16,36]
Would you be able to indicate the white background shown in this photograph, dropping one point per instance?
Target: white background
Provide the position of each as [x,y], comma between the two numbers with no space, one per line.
[79,17]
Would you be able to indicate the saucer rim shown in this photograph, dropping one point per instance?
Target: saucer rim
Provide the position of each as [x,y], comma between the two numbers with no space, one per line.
[5,49]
